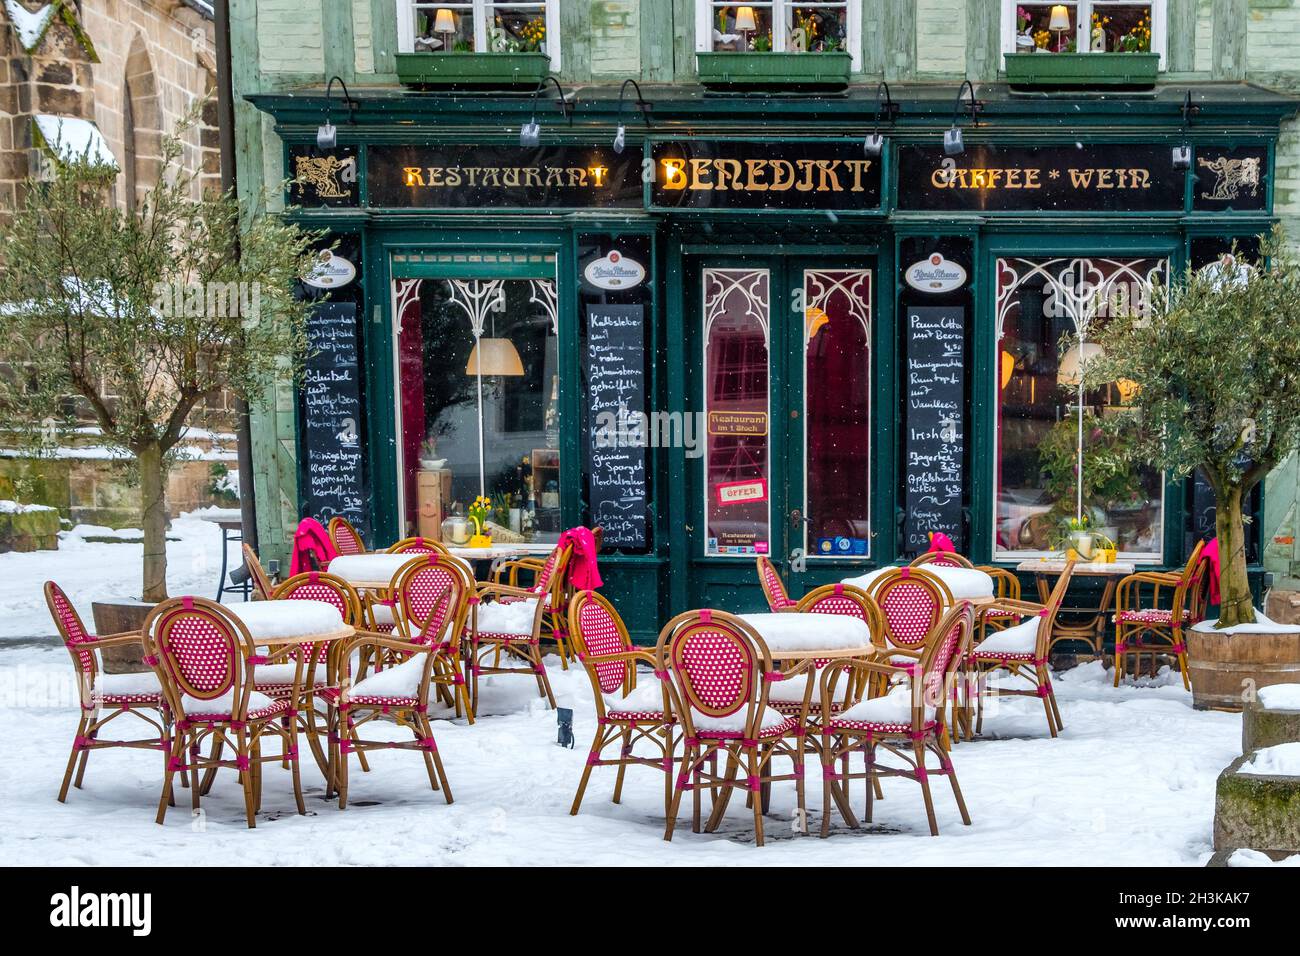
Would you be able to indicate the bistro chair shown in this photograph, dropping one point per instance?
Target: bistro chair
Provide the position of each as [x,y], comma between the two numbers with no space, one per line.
[207,665]
[435,595]
[788,696]
[417,545]
[506,624]
[1142,626]
[417,587]
[720,670]
[995,616]
[625,713]
[907,722]
[912,601]
[949,559]
[137,694]
[773,586]
[262,585]
[555,621]
[1023,650]
[345,538]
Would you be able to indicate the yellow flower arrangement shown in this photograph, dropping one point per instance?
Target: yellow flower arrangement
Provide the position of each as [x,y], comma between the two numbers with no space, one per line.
[533,34]
[1042,38]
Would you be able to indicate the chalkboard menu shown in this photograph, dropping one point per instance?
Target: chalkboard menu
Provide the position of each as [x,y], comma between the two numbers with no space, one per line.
[333,472]
[616,438]
[934,423]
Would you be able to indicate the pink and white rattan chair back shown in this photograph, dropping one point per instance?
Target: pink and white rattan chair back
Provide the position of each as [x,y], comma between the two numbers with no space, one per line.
[911,602]
[944,653]
[73,632]
[598,632]
[261,580]
[346,539]
[417,545]
[773,587]
[432,593]
[1193,593]
[322,586]
[717,664]
[202,651]
[843,599]
[949,559]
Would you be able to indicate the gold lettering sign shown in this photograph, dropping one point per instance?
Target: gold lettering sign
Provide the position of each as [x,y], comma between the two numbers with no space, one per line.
[951,176]
[737,423]
[505,177]
[764,175]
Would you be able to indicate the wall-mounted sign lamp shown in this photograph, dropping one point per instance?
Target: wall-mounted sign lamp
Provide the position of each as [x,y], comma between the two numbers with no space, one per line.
[953,144]
[327,135]
[1182,154]
[874,144]
[530,134]
[620,136]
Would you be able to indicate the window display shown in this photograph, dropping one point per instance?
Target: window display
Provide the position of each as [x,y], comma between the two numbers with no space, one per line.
[1038,487]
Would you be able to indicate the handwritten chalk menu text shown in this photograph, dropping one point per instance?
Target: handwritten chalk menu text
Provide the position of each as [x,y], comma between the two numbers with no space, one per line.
[934,423]
[332,469]
[616,435]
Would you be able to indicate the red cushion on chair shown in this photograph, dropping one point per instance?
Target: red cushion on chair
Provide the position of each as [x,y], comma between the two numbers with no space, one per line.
[1147,615]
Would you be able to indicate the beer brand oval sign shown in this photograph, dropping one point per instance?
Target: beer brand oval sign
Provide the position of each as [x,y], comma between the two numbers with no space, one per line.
[935,274]
[614,271]
[330,271]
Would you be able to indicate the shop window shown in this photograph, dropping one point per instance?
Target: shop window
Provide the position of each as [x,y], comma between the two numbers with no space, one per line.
[1084,26]
[479,404]
[1039,303]
[479,26]
[737,318]
[837,404]
[780,26]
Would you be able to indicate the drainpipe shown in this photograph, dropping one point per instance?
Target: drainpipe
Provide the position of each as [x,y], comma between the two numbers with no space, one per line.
[226,140]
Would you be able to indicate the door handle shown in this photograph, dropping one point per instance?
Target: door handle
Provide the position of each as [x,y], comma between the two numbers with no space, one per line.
[797,518]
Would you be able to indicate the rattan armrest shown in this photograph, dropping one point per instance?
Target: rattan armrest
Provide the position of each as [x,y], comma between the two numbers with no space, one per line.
[505,589]
[1164,578]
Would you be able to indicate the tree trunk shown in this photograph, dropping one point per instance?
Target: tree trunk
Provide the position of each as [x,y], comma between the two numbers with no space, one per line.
[1236,606]
[153,511]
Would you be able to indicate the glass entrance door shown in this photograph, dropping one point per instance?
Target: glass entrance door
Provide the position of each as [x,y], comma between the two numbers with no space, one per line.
[784,379]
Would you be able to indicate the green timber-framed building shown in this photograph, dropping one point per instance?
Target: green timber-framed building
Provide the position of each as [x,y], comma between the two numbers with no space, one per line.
[861,347]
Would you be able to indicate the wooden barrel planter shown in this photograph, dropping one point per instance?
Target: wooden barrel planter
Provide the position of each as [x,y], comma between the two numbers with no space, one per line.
[113,617]
[1227,669]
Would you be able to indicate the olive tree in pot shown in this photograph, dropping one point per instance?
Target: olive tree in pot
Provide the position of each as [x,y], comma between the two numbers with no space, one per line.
[1215,358]
[139,316]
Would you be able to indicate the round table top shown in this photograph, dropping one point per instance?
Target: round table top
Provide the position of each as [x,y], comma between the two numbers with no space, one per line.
[290,621]
[1081,568]
[964,583]
[376,570]
[799,635]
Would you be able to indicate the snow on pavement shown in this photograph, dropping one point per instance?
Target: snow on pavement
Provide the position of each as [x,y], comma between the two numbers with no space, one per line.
[1131,781]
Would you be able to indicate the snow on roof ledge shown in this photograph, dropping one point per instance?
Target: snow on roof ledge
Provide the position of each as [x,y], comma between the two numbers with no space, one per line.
[30,25]
[69,139]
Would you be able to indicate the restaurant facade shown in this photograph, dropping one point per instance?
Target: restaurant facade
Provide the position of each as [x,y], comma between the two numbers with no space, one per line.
[812,325]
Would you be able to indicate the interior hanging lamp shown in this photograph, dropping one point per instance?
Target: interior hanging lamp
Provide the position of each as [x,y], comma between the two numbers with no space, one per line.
[492,356]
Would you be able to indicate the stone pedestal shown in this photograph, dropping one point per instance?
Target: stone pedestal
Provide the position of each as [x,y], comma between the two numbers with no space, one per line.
[1262,813]
[1264,728]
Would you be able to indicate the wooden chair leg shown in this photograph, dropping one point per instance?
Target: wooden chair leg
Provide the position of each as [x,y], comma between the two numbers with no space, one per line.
[918,749]
[688,758]
[1045,691]
[246,778]
[592,756]
[752,768]
[828,782]
[173,760]
[72,759]
[956,790]
[295,767]
[625,750]
[341,768]
[870,757]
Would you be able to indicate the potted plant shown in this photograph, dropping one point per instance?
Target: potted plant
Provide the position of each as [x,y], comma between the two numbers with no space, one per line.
[510,60]
[1130,62]
[1213,359]
[146,315]
[478,517]
[812,59]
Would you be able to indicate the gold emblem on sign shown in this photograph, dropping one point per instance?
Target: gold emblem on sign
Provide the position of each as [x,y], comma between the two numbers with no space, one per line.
[1231,176]
[326,174]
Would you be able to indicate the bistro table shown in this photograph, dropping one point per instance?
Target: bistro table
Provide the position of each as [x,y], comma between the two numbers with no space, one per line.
[375,571]
[965,584]
[281,624]
[1090,623]
[231,523]
[808,635]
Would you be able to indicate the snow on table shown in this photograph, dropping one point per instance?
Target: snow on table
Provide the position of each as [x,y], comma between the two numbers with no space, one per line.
[377,569]
[1280,760]
[1280,697]
[275,620]
[796,631]
[962,582]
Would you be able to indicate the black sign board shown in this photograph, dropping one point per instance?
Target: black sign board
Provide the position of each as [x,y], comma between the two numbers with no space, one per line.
[814,175]
[323,177]
[616,456]
[497,177]
[1230,180]
[934,425]
[1090,177]
[332,469]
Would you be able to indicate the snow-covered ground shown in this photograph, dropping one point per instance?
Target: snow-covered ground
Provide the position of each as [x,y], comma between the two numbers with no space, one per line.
[1131,780]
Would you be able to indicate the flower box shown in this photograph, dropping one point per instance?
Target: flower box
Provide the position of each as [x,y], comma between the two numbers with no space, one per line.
[472,69]
[1081,69]
[768,70]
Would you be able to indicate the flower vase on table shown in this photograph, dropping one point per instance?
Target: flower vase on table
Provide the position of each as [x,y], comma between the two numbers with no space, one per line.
[478,514]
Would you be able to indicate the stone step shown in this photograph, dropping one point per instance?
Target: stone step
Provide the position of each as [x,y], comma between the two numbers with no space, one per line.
[1262,813]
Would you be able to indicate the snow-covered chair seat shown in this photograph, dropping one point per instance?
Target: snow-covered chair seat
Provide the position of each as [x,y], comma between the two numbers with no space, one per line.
[507,622]
[1016,643]
[1149,615]
[396,686]
[891,714]
[118,689]
[773,723]
[644,702]
[218,710]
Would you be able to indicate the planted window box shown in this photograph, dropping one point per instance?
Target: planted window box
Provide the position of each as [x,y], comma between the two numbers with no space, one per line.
[472,69]
[1082,69]
[755,70]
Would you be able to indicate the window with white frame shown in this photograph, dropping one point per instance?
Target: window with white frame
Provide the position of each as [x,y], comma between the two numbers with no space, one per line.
[780,26]
[480,26]
[1085,26]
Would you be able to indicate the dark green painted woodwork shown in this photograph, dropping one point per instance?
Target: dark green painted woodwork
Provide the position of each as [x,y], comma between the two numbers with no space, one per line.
[649,588]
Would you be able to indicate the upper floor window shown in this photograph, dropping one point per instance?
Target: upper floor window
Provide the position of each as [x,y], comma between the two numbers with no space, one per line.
[780,26]
[480,26]
[1084,26]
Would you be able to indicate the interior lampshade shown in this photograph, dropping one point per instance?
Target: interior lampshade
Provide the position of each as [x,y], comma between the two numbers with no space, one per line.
[444,21]
[745,19]
[1075,360]
[498,357]
[1060,18]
